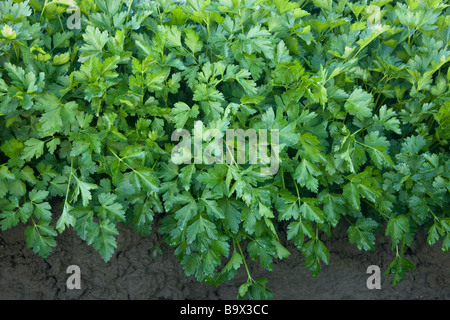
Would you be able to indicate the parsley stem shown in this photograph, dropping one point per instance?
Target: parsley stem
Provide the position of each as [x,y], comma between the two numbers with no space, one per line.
[232,158]
[68,183]
[15,50]
[243,259]
[129,9]
[60,22]
[348,220]
[434,216]
[361,129]
[156,162]
[43,9]
[209,35]
[373,207]
[296,188]
[118,158]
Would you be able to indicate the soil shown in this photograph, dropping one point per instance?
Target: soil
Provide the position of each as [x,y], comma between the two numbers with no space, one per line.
[133,273]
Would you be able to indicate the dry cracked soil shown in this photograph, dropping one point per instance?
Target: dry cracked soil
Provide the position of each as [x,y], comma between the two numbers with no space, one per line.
[133,273]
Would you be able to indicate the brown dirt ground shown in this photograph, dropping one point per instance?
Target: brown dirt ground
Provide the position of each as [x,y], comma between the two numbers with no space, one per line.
[132,273]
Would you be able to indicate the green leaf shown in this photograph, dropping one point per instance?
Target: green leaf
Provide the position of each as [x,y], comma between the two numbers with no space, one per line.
[434,233]
[314,251]
[105,242]
[61,59]
[66,219]
[33,148]
[212,208]
[42,211]
[214,179]
[297,231]
[351,193]
[285,5]
[388,118]
[84,188]
[324,4]
[85,225]
[322,252]
[306,174]
[232,265]
[38,196]
[413,144]
[60,40]
[143,217]
[185,176]
[397,227]
[201,227]
[231,214]
[12,148]
[362,233]
[255,290]
[132,152]
[359,104]
[378,147]
[40,238]
[264,250]
[173,37]
[9,217]
[243,289]
[399,267]
[193,41]
[94,42]
[186,213]
[144,179]
[282,252]
[332,207]
[109,208]
[310,211]
[58,186]
[289,211]
[155,81]
[182,112]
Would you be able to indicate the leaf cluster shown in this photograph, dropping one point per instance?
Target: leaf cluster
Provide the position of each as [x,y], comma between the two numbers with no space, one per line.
[86,116]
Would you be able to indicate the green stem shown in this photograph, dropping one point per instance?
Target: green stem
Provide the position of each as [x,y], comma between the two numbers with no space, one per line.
[243,259]
[121,160]
[434,216]
[156,162]
[373,207]
[348,220]
[68,183]
[296,188]
[43,9]
[34,224]
[375,87]
[361,129]
[118,158]
[60,22]
[15,50]
[365,145]
[129,9]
